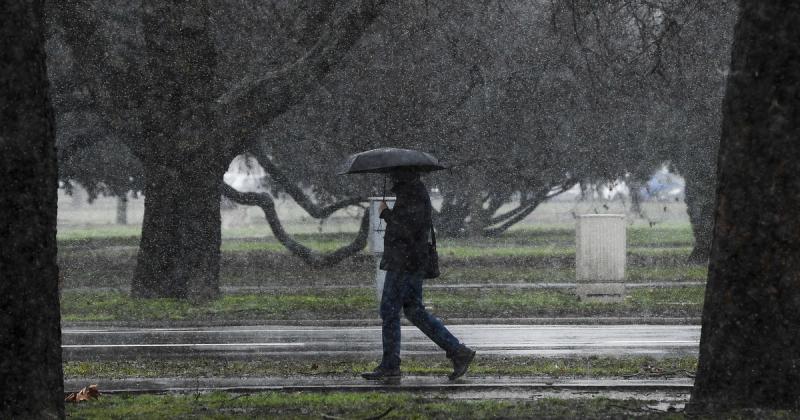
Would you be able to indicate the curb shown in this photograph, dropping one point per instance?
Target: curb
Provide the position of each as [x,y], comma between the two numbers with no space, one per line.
[350,384]
[376,322]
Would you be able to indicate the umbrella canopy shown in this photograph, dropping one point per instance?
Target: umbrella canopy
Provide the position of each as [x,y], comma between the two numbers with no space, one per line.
[388,159]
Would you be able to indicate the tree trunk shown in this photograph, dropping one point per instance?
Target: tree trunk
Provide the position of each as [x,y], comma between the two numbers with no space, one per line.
[31,377]
[698,167]
[635,188]
[750,341]
[476,220]
[122,209]
[451,220]
[699,196]
[179,251]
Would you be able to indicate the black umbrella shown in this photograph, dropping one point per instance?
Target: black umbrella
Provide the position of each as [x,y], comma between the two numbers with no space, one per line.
[388,159]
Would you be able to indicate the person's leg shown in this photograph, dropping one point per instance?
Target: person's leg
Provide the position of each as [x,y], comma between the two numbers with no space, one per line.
[415,311]
[391,303]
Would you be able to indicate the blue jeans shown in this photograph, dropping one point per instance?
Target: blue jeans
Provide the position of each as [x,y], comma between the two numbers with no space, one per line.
[404,290]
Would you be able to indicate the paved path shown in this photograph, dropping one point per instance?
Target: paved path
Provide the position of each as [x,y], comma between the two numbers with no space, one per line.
[299,342]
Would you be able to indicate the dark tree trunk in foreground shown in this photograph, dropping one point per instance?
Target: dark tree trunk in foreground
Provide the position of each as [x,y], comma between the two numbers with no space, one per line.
[31,380]
[750,343]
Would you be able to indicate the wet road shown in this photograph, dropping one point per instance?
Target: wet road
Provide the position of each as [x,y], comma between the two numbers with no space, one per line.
[300,342]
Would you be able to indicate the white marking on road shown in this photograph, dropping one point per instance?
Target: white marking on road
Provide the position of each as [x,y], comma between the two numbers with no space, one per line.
[186,345]
[357,329]
[192,331]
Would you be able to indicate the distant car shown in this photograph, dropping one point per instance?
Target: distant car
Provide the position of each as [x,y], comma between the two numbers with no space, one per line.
[664,186]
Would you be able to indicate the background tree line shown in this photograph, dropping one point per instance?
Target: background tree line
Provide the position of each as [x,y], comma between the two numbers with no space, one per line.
[524,99]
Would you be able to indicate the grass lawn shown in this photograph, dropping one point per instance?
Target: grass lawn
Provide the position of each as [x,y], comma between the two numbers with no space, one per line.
[513,241]
[360,303]
[364,405]
[106,257]
[586,367]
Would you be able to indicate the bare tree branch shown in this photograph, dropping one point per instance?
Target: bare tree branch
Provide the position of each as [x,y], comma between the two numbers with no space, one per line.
[254,101]
[309,256]
[299,195]
[522,211]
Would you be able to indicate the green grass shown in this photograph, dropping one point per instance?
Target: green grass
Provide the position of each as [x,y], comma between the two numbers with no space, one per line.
[522,274]
[688,272]
[588,367]
[309,405]
[504,251]
[445,250]
[680,235]
[551,251]
[96,257]
[362,405]
[106,270]
[676,295]
[638,236]
[98,232]
[326,243]
[361,304]
[119,306]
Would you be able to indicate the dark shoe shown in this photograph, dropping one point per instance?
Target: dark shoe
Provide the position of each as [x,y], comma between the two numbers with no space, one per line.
[461,362]
[380,374]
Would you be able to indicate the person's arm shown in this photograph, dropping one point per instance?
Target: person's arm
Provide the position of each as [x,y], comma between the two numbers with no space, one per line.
[406,218]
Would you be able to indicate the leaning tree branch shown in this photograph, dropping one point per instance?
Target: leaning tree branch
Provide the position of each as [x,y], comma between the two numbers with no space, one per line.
[521,213]
[494,204]
[309,256]
[511,213]
[297,193]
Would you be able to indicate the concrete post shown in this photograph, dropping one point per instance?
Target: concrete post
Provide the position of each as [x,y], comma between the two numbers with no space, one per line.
[600,257]
[377,228]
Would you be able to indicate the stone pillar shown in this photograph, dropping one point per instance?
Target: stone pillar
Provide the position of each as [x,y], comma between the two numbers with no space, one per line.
[377,228]
[600,257]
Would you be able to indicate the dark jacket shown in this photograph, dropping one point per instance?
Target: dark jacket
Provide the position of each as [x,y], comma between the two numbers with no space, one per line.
[408,226]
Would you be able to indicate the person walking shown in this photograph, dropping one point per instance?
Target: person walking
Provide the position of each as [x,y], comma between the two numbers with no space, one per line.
[406,253]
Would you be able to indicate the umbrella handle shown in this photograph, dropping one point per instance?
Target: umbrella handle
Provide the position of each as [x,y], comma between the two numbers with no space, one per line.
[384,187]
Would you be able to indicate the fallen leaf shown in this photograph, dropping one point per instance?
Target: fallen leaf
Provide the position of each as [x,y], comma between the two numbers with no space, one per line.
[84,394]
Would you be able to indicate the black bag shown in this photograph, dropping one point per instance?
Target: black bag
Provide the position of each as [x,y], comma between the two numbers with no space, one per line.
[432,268]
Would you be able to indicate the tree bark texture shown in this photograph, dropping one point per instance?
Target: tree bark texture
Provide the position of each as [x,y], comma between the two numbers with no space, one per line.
[30,335]
[179,250]
[701,182]
[750,341]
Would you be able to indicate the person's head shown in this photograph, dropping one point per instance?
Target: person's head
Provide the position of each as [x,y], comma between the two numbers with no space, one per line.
[401,176]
